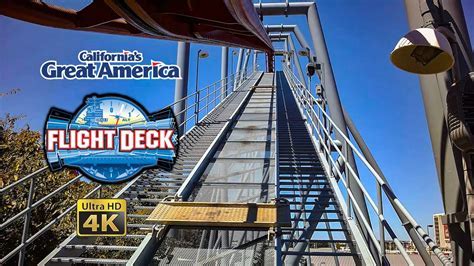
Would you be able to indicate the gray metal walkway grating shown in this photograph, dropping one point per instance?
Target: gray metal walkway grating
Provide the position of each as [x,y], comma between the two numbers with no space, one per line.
[240,170]
[315,213]
[146,191]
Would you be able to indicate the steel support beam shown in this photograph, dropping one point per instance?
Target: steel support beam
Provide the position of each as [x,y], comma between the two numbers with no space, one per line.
[282,9]
[299,36]
[332,94]
[448,159]
[224,71]
[288,55]
[284,52]
[254,64]
[297,62]
[181,85]
[419,244]
[238,67]
[295,54]
[302,41]
[244,65]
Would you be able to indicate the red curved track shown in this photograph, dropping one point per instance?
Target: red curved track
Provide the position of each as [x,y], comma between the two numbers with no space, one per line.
[218,22]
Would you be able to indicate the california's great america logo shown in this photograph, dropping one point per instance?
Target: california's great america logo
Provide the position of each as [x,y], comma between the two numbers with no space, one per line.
[97,64]
[110,139]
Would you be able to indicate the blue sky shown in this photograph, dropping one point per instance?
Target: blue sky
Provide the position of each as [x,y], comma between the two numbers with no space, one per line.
[384,102]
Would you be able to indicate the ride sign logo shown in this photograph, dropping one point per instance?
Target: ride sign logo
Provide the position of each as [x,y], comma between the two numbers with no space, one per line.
[110,139]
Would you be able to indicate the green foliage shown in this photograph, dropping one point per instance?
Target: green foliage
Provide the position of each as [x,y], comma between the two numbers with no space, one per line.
[21,154]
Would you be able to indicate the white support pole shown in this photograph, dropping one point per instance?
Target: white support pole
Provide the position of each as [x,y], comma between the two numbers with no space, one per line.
[238,67]
[224,71]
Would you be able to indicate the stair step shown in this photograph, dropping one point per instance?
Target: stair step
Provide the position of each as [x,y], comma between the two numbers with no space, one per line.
[297,188]
[297,203]
[301,171]
[142,216]
[317,210]
[145,186]
[316,253]
[135,236]
[150,200]
[102,247]
[163,185]
[322,220]
[296,183]
[90,261]
[302,177]
[141,207]
[316,240]
[140,225]
[290,231]
[155,193]
[312,196]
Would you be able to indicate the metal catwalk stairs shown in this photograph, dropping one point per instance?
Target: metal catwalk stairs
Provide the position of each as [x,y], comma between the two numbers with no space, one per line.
[143,193]
[315,211]
[241,170]
[256,146]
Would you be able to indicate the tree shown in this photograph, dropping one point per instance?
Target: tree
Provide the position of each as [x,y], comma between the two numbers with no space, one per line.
[21,153]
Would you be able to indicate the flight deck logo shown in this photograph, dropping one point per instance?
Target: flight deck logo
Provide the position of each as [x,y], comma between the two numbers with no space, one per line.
[100,64]
[111,139]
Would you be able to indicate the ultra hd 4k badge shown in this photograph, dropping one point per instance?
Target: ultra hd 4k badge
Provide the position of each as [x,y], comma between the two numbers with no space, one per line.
[111,139]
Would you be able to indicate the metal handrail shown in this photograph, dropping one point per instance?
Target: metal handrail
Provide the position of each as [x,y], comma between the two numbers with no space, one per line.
[309,104]
[351,196]
[32,205]
[333,163]
[277,241]
[205,98]
[214,97]
[22,180]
